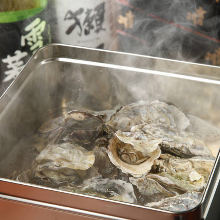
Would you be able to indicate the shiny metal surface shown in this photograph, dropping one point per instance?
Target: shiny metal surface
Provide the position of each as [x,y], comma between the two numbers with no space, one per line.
[211,188]
[59,78]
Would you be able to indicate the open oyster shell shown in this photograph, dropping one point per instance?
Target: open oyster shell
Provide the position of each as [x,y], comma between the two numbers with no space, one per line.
[148,153]
[130,161]
[147,125]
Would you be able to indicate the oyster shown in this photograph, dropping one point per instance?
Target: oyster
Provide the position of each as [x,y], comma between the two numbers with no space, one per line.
[147,125]
[150,190]
[155,112]
[182,175]
[205,131]
[130,161]
[203,165]
[185,146]
[76,127]
[48,133]
[178,203]
[61,163]
[112,189]
[148,153]
[148,137]
[145,142]
[103,165]
[171,176]
[82,128]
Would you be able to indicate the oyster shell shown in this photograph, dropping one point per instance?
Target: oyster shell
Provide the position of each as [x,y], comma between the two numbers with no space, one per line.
[103,165]
[48,133]
[147,125]
[141,141]
[178,203]
[148,153]
[76,127]
[61,163]
[150,189]
[82,128]
[185,146]
[130,161]
[182,175]
[148,137]
[111,189]
[142,112]
[203,165]
[180,182]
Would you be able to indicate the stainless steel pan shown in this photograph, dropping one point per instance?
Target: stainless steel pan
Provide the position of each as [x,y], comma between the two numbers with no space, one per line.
[59,77]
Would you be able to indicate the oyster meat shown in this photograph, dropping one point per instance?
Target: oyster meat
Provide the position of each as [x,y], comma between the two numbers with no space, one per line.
[154,142]
[130,161]
[147,125]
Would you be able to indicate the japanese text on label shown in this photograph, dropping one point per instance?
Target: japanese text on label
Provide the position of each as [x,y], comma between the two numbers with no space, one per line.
[86,21]
[15,64]
[34,37]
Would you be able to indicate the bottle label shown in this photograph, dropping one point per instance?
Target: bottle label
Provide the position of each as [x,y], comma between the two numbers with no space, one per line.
[18,42]
[85,23]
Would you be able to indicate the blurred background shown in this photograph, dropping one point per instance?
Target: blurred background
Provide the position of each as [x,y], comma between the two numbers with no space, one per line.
[183,30]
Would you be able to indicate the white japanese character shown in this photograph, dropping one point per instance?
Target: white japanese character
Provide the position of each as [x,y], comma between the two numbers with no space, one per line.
[15,65]
[34,38]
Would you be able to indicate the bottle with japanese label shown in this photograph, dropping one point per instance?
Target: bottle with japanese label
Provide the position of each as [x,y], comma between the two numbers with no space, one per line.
[23,29]
[86,23]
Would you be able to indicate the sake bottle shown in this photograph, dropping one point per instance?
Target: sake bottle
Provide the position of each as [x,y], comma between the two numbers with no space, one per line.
[24,28]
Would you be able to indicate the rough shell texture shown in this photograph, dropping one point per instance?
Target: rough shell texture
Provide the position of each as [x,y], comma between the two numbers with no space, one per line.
[140,141]
[178,203]
[81,128]
[62,163]
[151,189]
[76,127]
[67,155]
[103,164]
[149,153]
[147,125]
[182,175]
[113,189]
[179,182]
[185,146]
[155,112]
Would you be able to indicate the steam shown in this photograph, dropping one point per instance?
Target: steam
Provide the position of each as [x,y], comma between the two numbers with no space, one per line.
[169,32]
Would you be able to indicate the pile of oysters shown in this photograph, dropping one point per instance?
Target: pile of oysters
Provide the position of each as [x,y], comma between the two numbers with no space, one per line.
[145,153]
